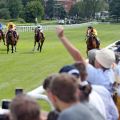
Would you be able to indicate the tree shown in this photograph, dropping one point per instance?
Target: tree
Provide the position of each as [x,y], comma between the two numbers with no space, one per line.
[14,6]
[50,8]
[88,8]
[114,9]
[4,13]
[33,9]
[61,12]
[77,10]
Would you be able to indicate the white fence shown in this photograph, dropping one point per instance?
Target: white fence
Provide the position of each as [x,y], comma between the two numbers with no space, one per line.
[51,27]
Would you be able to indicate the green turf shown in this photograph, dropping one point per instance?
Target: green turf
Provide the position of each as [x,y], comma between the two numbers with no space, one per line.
[28,69]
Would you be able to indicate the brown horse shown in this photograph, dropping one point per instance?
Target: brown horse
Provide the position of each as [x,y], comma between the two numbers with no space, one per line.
[2,36]
[11,39]
[39,38]
[92,43]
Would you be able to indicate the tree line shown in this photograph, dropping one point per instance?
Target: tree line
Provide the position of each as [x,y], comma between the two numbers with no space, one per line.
[28,10]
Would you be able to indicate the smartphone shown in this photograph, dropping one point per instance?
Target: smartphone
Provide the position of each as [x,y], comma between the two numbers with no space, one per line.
[5,104]
[18,91]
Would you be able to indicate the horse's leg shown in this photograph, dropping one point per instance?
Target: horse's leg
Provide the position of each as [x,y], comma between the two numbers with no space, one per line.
[12,48]
[15,48]
[7,48]
[3,40]
[15,45]
[41,45]
[38,46]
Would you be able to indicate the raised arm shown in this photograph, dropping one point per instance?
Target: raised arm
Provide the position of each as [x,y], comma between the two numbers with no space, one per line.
[73,51]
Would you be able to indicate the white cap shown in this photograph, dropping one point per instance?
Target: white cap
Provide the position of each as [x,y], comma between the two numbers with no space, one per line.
[105,57]
[39,26]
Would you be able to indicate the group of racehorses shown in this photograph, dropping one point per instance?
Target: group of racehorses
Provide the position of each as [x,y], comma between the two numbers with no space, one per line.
[11,38]
[39,38]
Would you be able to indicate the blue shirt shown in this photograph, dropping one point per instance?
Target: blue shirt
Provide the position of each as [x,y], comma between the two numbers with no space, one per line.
[99,77]
[1,26]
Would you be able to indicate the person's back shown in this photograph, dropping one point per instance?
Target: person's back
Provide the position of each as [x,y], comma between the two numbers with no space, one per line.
[111,109]
[96,100]
[80,112]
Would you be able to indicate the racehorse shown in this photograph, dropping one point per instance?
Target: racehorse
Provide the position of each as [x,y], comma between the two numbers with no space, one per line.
[2,36]
[92,43]
[39,38]
[11,39]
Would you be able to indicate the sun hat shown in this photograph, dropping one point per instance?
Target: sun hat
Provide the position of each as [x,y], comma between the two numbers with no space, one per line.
[105,57]
[70,69]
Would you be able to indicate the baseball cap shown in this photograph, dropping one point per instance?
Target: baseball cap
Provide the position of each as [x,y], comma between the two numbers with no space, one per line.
[70,69]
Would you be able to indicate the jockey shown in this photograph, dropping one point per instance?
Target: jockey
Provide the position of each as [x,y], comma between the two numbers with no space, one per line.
[1,27]
[91,31]
[1,32]
[11,27]
[39,27]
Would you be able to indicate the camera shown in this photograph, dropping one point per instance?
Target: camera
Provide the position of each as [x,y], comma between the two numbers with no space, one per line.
[5,104]
[18,91]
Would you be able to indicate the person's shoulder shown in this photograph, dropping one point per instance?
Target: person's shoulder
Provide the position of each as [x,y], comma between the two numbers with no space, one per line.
[79,112]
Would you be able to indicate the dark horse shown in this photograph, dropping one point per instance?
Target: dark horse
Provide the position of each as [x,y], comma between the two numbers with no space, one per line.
[92,43]
[2,36]
[11,39]
[39,38]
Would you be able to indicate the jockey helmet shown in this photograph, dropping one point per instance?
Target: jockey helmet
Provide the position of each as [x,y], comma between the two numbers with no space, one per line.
[39,27]
[90,27]
[10,25]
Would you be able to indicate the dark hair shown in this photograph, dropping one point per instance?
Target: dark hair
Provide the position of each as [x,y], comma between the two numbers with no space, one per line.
[90,27]
[84,92]
[47,81]
[82,69]
[64,86]
[117,57]
[24,107]
[53,115]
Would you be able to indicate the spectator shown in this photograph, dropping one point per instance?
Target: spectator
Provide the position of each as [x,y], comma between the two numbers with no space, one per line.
[117,66]
[65,99]
[53,115]
[101,74]
[87,94]
[24,107]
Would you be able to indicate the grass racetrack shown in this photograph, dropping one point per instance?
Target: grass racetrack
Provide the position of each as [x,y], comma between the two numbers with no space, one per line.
[27,69]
